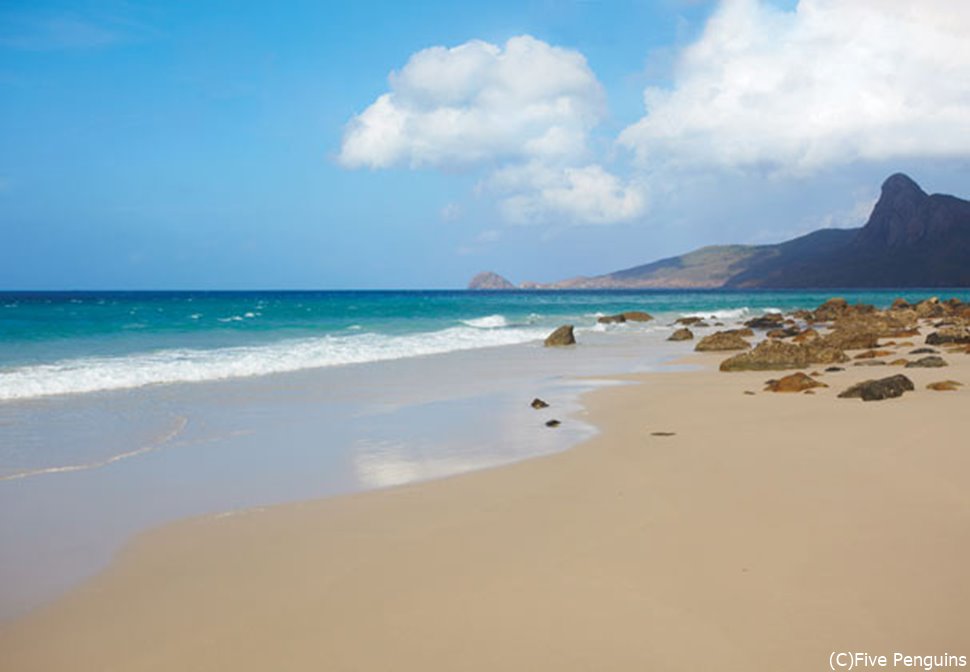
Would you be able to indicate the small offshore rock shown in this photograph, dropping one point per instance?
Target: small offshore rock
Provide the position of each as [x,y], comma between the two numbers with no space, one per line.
[877,390]
[636,316]
[538,403]
[610,319]
[930,362]
[687,321]
[796,382]
[767,321]
[944,386]
[560,337]
[682,334]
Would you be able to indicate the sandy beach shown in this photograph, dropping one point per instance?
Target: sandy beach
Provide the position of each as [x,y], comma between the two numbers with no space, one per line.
[769,529]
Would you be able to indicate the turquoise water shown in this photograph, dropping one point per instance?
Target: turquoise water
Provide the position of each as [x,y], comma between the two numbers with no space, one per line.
[81,342]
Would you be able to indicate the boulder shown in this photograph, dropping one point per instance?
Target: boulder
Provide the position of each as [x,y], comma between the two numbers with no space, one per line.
[902,361]
[928,362]
[561,336]
[834,369]
[636,316]
[682,334]
[944,386]
[610,319]
[845,339]
[958,335]
[876,390]
[552,423]
[722,340]
[796,382]
[831,309]
[784,333]
[806,336]
[778,355]
[924,351]
[900,304]
[872,354]
[538,403]
[930,308]
[766,321]
[687,321]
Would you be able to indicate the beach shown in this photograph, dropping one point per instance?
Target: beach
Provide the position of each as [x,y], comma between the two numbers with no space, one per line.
[701,528]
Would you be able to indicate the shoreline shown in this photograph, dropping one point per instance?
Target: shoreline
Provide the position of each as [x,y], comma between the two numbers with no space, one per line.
[754,533]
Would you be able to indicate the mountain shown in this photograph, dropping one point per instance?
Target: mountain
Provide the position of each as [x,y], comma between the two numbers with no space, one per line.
[489,280]
[910,240]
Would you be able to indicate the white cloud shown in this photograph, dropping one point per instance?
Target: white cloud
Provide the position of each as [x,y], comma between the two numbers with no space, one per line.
[524,110]
[587,194]
[478,102]
[834,81]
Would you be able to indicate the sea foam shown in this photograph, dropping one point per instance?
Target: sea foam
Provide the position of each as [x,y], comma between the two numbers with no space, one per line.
[95,374]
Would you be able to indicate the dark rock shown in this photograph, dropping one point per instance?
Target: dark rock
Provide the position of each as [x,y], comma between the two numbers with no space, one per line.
[876,390]
[767,321]
[930,362]
[870,362]
[552,423]
[610,319]
[722,340]
[949,335]
[682,334]
[784,333]
[834,369]
[796,382]
[538,403]
[561,336]
[900,304]
[687,321]
[663,434]
[923,351]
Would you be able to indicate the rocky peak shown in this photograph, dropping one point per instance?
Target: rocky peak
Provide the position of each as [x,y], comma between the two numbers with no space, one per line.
[896,220]
[489,280]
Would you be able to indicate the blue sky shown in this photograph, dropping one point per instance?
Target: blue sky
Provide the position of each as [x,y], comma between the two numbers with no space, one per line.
[268,145]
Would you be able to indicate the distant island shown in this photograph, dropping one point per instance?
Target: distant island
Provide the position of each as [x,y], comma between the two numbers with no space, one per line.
[911,239]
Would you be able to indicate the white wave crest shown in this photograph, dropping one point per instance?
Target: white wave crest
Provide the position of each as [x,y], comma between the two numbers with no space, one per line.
[487,322]
[95,374]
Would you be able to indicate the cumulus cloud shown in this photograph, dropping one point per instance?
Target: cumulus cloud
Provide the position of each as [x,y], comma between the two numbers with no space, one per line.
[834,81]
[536,191]
[523,109]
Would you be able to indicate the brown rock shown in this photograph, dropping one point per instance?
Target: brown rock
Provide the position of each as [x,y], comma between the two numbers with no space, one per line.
[900,304]
[872,354]
[876,390]
[902,361]
[958,335]
[682,334]
[766,321]
[687,321]
[552,423]
[806,336]
[561,336]
[777,355]
[538,403]
[831,309]
[722,340]
[784,333]
[945,386]
[929,308]
[796,382]
[636,316]
[610,319]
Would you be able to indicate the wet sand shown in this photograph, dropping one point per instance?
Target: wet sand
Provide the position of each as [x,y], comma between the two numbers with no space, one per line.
[769,529]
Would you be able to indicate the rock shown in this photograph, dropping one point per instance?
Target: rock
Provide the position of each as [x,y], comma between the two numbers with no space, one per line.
[958,335]
[747,332]
[610,319]
[830,310]
[929,308]
[930,362]
[796,382]
[687,321]
[806,336]
[872,354]
[701,324]
[722,340]
[561,336]
[945,386]
[682,334]
[749,393]
[663,434]
[776,355]
[834,369]
[552,423]
[636,316]
[924,351]
[766,321]
[844,339]
[538,403]
[870,362]
[489,280]
[900,304]
[784,333]
[902,361]
[876,390]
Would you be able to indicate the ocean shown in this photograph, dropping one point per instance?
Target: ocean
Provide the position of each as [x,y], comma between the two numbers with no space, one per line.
[120,411]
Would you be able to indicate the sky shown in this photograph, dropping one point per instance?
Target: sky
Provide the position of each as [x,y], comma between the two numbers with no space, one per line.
[306,145]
